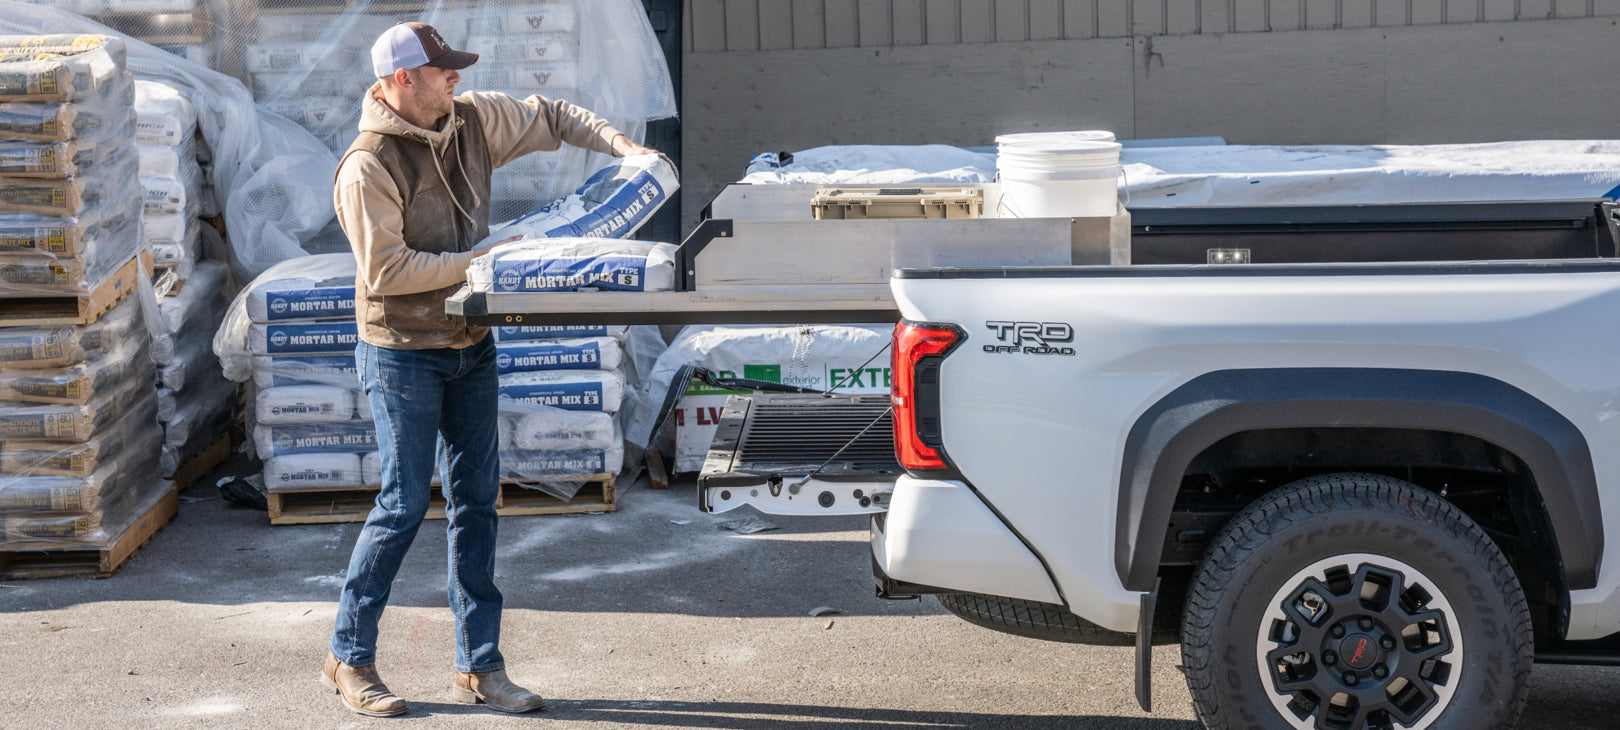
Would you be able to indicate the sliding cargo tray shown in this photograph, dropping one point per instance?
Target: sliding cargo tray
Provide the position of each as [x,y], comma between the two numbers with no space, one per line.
[801,454]
[807,271]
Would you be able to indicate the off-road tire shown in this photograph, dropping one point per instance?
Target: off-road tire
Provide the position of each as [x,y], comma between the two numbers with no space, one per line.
[1316,519]
[1037,620]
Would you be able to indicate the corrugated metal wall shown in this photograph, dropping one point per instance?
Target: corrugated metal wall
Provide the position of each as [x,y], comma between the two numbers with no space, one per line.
[763,25]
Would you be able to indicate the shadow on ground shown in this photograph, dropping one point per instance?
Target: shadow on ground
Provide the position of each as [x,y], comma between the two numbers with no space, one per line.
[657,554]
[753,715]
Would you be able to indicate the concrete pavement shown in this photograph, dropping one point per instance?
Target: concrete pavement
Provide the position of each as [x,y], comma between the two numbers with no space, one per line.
[652,617]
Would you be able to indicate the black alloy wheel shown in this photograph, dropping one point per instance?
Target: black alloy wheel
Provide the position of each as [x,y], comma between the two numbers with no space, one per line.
[1356,602]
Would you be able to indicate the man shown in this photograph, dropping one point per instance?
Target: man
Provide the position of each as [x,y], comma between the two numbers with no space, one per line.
[412,194]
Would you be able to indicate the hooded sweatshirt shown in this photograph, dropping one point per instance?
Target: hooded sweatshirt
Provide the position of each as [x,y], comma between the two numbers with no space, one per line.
[414,201]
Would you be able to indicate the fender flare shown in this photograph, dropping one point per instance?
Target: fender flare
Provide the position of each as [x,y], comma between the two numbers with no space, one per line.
[1166,438]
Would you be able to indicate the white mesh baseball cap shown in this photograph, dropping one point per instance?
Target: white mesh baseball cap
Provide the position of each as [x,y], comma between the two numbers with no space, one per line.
[409,45]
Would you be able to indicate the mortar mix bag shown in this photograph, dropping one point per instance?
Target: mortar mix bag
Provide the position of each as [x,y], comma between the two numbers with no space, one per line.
[296,472]
[293,291]
[816,357]
[539,333]
[574,390]
[574,264]
[613,203]
[304,404]
[329,370]
[353,437]
[588,353]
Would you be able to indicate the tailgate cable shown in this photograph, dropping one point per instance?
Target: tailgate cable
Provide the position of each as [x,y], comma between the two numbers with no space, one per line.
[793,489]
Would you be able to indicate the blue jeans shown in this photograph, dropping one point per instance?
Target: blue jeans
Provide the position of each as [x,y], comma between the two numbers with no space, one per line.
[424,400]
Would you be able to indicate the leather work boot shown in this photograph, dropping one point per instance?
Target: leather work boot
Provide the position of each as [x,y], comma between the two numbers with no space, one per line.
[495,690]
[361,689]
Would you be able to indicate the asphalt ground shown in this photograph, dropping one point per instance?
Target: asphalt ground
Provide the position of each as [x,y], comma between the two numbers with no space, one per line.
[653,616]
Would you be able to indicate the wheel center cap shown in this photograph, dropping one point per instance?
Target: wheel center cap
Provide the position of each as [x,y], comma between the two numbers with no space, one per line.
[1359,651]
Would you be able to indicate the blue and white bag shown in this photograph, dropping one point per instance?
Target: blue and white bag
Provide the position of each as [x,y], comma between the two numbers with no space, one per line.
[303,338]
[574,390]
[560,332]
[613,203]
[591,353]
[574,264]
[354,437]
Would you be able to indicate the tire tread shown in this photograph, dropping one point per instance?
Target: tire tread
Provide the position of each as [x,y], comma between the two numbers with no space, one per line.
[1303,501]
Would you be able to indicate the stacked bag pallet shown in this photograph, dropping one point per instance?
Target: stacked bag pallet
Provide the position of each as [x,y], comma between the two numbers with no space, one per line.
[195,400]
[79,439]
[291,335]
[560,391]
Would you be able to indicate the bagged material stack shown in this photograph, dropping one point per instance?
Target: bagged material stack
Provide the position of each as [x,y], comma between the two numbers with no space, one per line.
[79,438]
[558,405]
[195,400]
[69,199]
[818,357]
[171,178]
[305,63]
[291,334]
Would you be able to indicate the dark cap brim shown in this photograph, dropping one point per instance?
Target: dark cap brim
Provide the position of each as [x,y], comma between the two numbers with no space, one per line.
[454,60]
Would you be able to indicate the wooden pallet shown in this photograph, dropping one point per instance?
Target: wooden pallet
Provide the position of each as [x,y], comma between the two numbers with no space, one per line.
[203,462]
[25,560]
[596,496]
[321,506]
[85,309]
[657,474]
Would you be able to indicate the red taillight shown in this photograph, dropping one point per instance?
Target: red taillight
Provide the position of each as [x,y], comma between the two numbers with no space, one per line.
[912,343]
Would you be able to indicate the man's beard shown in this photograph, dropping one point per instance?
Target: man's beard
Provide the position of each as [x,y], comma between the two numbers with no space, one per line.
[437,106]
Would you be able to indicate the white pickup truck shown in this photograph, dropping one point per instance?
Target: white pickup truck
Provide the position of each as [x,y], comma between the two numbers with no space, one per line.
[1365,482]
[1360,495]
[1376,487]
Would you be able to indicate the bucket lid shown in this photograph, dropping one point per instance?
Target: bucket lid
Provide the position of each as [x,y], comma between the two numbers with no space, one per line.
[1049,138]
[1075,148]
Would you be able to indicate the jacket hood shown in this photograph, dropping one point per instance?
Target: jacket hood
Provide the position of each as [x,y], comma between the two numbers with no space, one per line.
[375,116]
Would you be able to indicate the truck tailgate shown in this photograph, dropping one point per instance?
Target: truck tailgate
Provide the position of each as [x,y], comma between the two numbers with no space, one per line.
[801,454]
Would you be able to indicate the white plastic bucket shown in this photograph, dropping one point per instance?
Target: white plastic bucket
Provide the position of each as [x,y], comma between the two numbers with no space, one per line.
[1057,175]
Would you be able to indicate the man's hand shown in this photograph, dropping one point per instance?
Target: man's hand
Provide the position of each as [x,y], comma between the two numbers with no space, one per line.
[487,250]
[623,147]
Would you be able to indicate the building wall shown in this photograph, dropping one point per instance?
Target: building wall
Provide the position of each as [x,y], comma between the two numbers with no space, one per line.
[768,75]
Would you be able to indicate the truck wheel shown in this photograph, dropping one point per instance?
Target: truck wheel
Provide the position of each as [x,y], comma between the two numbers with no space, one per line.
[1352,602]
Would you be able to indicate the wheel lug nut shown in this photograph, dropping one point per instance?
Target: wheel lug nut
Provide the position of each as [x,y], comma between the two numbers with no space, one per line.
[1338,631]
[1329,658]
[1380,672]
[1350,678]
[1365,623]
[1387,642]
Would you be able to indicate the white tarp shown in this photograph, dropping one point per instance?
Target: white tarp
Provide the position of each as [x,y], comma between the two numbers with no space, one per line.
[1261,175]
